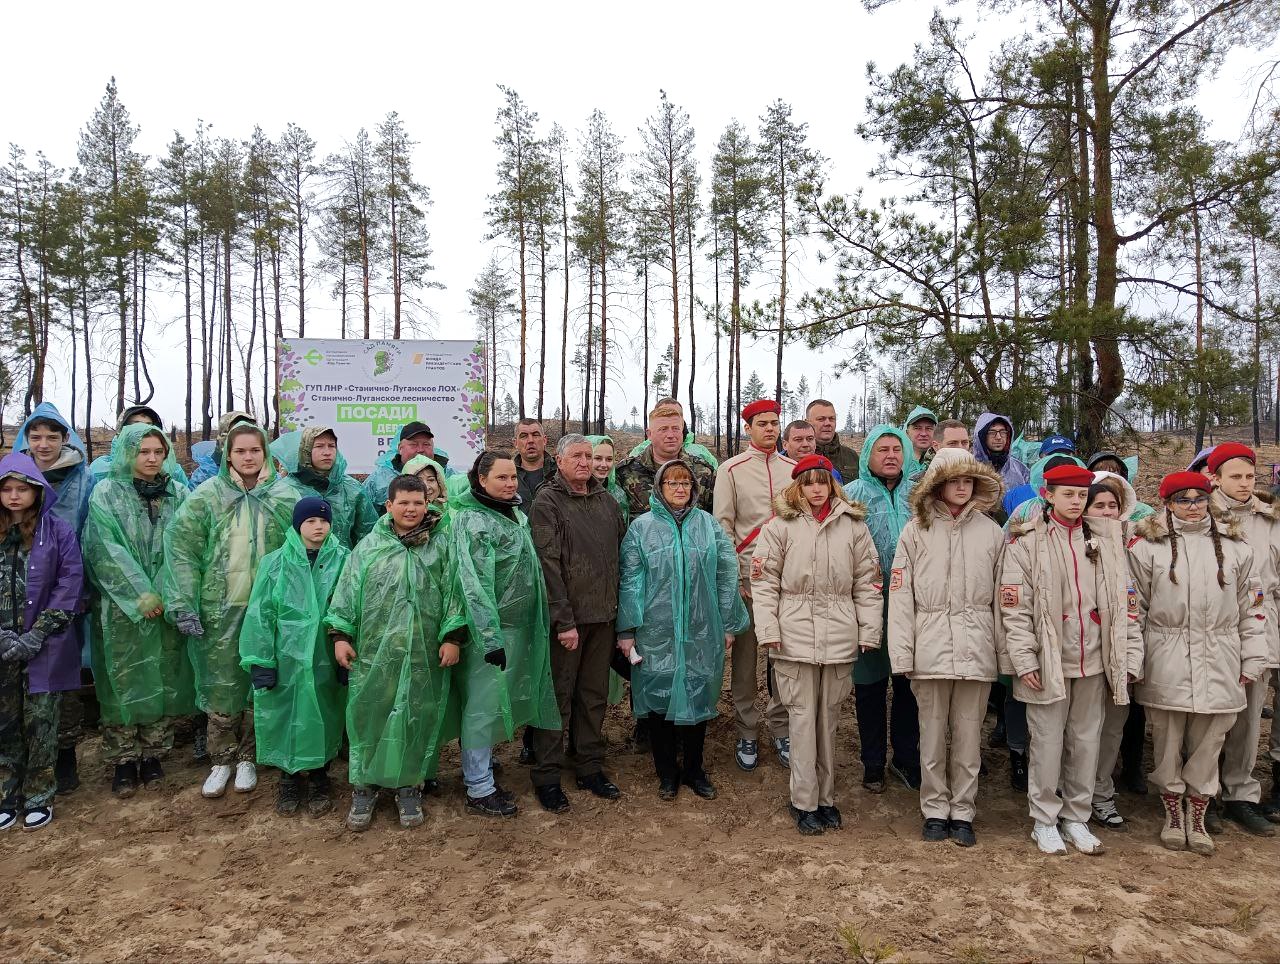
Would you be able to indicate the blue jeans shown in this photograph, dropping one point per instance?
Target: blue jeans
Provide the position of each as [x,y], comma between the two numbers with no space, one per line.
[477,772]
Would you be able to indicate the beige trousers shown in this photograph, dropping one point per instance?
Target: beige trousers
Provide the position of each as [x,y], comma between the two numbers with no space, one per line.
[948,790]
[811,695]
[1275,719]
[1200,736]
[1064,751]
[1240,752]
[1113,721]
[745,661]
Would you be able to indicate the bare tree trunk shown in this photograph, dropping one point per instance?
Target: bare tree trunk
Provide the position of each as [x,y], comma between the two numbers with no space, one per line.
[1257,342]
[645,271]
[542,305]
[564,329]
[693,334]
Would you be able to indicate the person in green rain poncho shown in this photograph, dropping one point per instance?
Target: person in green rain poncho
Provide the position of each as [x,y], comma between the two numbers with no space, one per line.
[919,428]
[297,700]
[397,627]
[883,486]
[603,458]
[678,610]
[433,477]
[140,667]
[212,550]
[315,467]
[504,680]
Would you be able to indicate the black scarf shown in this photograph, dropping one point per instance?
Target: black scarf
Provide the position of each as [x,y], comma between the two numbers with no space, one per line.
[506,507]
[312,479]
[151,492]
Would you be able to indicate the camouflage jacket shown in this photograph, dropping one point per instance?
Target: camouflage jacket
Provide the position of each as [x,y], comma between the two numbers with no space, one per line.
[636,473]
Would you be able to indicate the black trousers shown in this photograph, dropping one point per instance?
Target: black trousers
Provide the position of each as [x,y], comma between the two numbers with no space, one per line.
[1134,739]
[665,740]
[878,726]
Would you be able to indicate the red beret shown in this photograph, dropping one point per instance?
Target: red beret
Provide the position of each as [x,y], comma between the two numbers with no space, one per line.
[1227,451]
[1069,475]
[1172,484]
[759,408]
[809,463]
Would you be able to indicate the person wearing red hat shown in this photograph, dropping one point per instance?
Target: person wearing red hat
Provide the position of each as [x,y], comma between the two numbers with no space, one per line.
[745,488]
[817,604]
[1205,631]
[1234,476]
[941,635]
[1069,633]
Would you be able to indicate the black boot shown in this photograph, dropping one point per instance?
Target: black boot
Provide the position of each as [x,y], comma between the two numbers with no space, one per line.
[1018,771]
[288,794]
[65,770]
[125,781]
[1271,805]
[1247,817]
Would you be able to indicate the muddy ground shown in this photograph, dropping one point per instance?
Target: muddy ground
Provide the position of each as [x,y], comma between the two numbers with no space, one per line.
[168,875]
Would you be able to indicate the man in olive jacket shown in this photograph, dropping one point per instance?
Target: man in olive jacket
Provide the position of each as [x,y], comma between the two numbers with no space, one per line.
[577,528]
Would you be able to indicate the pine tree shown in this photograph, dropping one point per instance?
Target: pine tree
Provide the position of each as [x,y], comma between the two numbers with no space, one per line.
[491,302]
[404,203]
[297,170]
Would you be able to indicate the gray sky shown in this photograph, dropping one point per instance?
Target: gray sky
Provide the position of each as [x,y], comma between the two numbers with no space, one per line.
[333,68]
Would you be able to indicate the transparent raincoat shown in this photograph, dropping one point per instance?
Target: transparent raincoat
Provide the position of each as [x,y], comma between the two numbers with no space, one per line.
[353,513]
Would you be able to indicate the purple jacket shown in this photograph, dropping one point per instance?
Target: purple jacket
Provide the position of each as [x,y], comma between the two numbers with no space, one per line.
[55,580]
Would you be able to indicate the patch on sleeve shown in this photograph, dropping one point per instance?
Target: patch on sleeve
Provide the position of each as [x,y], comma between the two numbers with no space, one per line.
[895,580]
[1009,596]
[1259,597]
[757,567]
[878,581]
[1133,601]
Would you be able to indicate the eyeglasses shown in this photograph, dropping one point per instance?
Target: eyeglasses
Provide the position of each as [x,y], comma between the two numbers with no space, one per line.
[997,432]
[673,484]
[1192,503]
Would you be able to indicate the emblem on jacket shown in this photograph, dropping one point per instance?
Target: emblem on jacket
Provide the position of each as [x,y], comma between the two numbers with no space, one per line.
[1009,596]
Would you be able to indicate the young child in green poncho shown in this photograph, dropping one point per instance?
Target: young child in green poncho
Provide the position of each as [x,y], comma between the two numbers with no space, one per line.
[297,700]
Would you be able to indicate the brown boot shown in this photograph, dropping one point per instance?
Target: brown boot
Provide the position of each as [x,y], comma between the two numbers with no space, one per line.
[1174,832]
[1198,838]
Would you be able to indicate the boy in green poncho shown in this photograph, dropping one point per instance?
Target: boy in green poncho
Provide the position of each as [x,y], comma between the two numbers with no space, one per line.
[140,665]
[212,550]
[297,700]
[397,628]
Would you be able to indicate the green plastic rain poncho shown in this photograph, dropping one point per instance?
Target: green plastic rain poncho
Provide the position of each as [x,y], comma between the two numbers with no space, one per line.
[298,722]
[691,445]
[914,465]
[396,603]
[212,550]
[100,467]
[505,605]
[887,513]
[678,591]
[353,513]
[420,462]
[140,667]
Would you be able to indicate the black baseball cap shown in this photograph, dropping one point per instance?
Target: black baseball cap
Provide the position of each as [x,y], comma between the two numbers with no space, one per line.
[416,428]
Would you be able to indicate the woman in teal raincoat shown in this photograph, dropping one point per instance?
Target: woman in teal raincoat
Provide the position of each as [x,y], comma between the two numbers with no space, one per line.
[298,704]
[504,679]
[679,608]
[212,551]
[140,666]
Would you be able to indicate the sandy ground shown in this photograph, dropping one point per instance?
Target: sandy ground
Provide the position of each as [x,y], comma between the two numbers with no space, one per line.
[168,875]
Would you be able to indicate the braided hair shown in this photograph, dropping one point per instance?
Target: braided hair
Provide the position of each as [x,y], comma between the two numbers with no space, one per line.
[1215,535]
[1173,544]
[1090,547]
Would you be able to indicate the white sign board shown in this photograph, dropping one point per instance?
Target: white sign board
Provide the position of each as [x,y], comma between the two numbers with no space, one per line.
[367,390]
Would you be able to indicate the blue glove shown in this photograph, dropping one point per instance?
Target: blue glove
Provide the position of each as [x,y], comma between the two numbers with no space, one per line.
[189,625]
[263,677]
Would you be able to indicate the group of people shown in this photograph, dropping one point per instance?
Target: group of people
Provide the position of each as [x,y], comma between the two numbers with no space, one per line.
[288,609]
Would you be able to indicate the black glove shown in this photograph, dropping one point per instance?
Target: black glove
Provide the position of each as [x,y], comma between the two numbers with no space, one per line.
[189,625]
[496,657]
[343,675]
[25,647]
[263,677]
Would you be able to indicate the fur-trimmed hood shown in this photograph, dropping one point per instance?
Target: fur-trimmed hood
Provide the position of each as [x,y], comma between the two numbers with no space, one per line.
[856,510]
[986,486]
[1153,527]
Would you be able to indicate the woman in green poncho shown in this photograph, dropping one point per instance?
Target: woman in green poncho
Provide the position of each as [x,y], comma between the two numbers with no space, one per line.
[212,550]
[432,476]
[504,681]
[397,628]
[315,467]
[140,667]
[297,700]
[679,608]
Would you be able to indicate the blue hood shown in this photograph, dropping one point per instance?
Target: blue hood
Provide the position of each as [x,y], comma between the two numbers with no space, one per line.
[48,410]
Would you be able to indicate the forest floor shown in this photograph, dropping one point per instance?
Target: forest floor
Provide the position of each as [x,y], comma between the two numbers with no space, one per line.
[167,875]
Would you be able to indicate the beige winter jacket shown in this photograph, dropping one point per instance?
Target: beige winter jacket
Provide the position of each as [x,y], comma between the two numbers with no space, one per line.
[1032,609]
[1259,520]
[942,590]
[745,488]
[815,585]
[1199,638]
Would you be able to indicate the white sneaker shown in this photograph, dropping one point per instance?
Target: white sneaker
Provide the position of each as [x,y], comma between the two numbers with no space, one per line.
[1081,837]
[1048,839]
[246,776]
[215,785]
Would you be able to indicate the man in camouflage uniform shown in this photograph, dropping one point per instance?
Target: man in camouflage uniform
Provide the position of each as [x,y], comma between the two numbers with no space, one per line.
[635,474]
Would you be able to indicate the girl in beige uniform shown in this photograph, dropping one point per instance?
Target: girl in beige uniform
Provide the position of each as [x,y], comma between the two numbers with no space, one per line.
[1070,632]
[1205,626]
[942,614]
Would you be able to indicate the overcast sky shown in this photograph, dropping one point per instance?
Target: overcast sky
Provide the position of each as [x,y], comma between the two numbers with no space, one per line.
[333,68]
